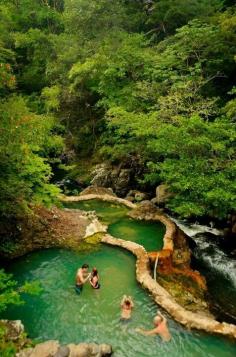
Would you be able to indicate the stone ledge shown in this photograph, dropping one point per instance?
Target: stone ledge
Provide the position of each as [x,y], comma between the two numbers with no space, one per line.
[164,299]
[105,197]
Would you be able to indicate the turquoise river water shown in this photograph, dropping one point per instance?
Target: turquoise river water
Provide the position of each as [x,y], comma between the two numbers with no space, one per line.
[58,313]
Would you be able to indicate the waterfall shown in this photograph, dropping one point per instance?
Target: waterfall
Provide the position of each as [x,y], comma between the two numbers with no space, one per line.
[207,250]
[192,229]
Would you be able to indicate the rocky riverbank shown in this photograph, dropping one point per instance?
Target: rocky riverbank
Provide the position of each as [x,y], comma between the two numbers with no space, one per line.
[53,348]
[49,228]
[16,337]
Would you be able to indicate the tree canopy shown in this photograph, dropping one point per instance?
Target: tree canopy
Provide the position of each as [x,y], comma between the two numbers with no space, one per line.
[122,80]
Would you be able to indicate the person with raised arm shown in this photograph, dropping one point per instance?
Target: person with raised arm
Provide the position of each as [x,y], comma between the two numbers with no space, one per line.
[127,306]
[160,328]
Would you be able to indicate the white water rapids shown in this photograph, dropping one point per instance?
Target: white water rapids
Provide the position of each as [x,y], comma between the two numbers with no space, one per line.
[207,250]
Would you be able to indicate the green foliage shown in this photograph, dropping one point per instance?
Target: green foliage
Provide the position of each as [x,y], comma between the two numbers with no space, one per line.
[116,72]
[164,104]
[7,348]
[198,164]
[51,96]
[29,139]
[25,173]
[35,46]
[131,81]
[165,16]
[10,294]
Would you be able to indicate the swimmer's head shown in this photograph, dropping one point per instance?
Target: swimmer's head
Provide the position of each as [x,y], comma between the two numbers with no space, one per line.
[157,320]
[95,272]
[127,302]
[85,267]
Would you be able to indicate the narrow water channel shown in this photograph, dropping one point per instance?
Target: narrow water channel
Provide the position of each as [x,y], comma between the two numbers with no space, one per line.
[58,313]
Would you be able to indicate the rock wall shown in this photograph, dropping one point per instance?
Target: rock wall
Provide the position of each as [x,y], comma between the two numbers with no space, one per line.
[15,333]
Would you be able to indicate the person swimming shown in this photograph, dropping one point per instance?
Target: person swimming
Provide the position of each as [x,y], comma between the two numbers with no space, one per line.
[94,280]
[160,328]
[127,306]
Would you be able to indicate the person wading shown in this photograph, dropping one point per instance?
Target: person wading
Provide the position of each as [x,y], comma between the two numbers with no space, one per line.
[82,276]
[160,328]
[94,279]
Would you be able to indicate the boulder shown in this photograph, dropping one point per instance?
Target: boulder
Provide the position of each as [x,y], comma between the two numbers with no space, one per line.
[101,175]
[14,329]
[89,350]
[154,200]
[96,190]
[106,350]
[140,196]
[137,196]
[45,349]
[53,349]
[81,350]
[25,353]
[104,175]
[144,210]
[162,194]
[63,351]
[130,198]
[181,255]
[120,180]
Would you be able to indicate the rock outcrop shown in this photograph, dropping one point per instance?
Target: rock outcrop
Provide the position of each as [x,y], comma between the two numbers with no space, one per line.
[54,349]
[104,175]
[162,195]
[97,191]
[136,196]
[14,329]
[14,332]
[13,337]
[54,228]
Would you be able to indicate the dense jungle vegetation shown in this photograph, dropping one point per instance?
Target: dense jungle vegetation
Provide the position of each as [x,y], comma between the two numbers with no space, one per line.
[147,81]
[123,80]
[151,81]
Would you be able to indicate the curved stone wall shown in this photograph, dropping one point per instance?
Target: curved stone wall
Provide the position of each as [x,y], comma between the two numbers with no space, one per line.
[105,197]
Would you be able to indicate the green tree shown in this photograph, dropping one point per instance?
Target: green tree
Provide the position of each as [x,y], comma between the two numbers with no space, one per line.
[163,17]
[11,294]
[25,174]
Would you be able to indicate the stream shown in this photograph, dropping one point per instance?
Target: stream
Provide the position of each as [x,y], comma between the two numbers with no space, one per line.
[58,313]
[217,266]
